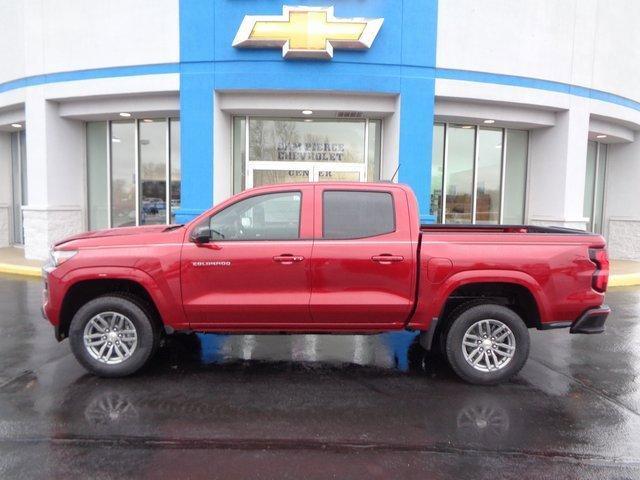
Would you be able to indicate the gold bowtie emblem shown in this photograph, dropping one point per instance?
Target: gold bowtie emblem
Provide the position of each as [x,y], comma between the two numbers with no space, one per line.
[307,32]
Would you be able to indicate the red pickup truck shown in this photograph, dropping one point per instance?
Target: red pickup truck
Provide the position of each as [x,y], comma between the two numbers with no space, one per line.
[325,258]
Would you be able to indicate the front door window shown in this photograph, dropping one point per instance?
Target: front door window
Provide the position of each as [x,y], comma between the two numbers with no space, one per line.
[287,150]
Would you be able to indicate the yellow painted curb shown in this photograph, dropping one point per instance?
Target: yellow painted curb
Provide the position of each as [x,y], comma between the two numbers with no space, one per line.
[20,270]
[624,279]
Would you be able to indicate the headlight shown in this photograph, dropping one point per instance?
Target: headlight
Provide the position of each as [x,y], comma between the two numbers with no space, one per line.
[58,257]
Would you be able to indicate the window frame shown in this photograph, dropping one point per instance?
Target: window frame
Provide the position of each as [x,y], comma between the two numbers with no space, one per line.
[324,210]
[262,194]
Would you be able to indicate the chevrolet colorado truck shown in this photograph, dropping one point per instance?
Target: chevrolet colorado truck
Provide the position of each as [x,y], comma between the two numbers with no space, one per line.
[325,258]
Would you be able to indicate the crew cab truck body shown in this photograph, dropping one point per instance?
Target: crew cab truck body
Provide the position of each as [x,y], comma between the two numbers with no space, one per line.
[325,258]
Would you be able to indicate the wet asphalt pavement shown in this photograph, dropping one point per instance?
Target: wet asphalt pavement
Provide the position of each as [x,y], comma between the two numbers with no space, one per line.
[298,406]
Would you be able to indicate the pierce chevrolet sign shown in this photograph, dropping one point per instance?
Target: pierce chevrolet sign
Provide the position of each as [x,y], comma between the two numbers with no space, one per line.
[307,32]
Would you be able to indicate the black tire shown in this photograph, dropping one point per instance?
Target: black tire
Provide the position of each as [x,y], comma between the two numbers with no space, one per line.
[462,319]
[147,331]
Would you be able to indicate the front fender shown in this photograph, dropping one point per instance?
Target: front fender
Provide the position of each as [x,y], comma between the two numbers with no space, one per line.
[171,313]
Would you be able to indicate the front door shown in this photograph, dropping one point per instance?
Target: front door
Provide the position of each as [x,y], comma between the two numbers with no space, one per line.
[363,266]
[254,274]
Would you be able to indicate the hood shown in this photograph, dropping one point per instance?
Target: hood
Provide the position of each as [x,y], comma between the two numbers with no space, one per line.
[119,232]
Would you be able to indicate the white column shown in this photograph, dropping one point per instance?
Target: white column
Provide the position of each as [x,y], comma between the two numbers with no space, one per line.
[5,189]
[622,198]
[557,169]
[55,175]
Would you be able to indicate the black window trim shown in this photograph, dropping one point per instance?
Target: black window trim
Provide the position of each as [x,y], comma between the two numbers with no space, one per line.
[261,194]
[356,190]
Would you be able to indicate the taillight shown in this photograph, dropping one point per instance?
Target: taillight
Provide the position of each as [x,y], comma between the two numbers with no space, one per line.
[600,257]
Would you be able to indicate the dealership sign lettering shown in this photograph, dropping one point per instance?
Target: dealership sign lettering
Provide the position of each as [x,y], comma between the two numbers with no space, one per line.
[311,152]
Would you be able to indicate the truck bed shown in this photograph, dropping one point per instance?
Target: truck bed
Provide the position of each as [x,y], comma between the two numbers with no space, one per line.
[461,228]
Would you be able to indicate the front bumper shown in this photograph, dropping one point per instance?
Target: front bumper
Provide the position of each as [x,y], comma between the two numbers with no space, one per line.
[591,321]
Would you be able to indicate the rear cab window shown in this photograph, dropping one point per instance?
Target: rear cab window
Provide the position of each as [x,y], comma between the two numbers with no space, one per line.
[352,214]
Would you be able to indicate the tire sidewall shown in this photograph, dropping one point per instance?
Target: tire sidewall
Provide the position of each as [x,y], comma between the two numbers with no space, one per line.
[146,341]
[470,316]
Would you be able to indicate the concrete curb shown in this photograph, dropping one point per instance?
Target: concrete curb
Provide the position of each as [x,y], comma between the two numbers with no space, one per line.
[624,280]
[617,280]
[20,270]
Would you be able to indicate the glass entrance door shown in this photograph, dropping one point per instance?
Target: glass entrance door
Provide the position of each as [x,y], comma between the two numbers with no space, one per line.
[286,150]
[19,183]
[269,173]
[339,173]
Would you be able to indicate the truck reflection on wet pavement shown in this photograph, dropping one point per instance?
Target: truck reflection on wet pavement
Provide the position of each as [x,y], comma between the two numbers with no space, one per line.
[313,406]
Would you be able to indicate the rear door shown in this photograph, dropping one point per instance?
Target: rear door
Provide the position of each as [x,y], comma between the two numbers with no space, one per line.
[254,274]
[362,264]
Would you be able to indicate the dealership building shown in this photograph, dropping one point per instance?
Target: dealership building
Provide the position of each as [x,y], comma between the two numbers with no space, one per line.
[138,112]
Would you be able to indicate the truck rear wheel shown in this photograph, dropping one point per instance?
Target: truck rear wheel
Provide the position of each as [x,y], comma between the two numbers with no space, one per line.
[487,344]
[113,335]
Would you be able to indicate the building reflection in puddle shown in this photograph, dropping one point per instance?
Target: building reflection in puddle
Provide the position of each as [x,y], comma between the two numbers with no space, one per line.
[389,350]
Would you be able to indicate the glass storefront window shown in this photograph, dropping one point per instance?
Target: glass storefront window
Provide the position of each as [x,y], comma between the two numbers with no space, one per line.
[97,171]
[153,172]
[459,174]
[239,153]
[285,150]
[19,183]
[598,210]
[515,176]
[488,175]
[594,185]
[437,164]
[374,150]
[589,181]
[114,150]
[176,167]
[123,185]
[482,171]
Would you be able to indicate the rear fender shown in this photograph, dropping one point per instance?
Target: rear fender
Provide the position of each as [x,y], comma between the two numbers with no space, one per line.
[432,298]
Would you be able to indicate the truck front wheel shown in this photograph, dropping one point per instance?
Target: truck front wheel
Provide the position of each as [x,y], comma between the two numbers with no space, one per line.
[486,344]
[113,335]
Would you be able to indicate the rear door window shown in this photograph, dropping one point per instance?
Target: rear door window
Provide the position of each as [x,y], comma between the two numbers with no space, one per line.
[356,214]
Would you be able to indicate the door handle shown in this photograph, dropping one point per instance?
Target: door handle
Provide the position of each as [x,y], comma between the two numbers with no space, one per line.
[387,258]
[287,258]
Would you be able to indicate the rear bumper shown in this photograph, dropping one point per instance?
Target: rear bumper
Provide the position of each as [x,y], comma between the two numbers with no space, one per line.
[591,321]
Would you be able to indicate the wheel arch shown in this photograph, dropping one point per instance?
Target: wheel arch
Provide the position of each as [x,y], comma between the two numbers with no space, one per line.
[513,289]
[85,287]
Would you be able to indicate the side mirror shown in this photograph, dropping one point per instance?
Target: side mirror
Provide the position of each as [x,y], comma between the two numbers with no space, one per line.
[202,234]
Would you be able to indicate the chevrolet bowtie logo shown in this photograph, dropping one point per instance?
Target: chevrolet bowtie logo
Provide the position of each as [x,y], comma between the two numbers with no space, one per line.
[307,32]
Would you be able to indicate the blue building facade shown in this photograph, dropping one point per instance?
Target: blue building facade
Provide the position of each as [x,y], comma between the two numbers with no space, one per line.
[400,62]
